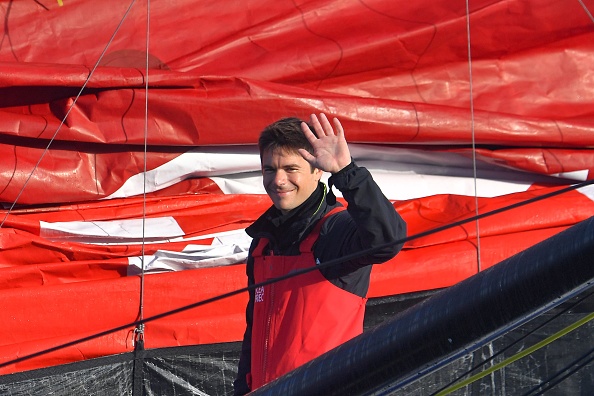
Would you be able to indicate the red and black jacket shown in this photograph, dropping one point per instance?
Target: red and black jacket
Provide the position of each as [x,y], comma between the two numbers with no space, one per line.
[370,221]
[294,330]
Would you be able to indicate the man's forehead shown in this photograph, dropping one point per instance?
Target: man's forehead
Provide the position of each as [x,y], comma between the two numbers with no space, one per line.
[282,154]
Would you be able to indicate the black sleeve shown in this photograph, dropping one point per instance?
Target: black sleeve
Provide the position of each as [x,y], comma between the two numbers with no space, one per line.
[371,222]
[240,385]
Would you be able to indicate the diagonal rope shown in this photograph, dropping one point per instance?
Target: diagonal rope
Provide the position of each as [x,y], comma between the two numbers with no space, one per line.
[518,355]
[563,374]
[327,264]
[143,320]
[586,10]
[512,344]
[63,121]
[450,388]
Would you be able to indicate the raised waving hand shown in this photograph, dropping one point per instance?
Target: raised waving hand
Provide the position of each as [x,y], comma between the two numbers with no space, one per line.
[331,152]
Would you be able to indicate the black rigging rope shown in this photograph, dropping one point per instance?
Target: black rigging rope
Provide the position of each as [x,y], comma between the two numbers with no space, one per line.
[139,324]
[559,377]
[327,264]
[511,345]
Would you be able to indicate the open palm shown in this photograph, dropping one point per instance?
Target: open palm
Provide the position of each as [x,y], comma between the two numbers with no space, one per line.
[331,152]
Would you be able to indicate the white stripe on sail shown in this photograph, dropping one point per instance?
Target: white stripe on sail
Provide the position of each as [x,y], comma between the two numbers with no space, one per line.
[110,231]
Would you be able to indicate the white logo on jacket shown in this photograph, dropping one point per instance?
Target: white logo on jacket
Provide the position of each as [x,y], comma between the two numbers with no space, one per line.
[259,294]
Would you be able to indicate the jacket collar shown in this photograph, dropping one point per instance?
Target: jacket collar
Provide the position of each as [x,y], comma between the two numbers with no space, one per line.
[284,230]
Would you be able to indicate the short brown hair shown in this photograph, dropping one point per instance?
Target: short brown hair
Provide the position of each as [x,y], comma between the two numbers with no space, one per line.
[284,134]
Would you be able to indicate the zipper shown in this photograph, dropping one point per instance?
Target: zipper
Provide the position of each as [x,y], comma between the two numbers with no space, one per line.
[267,339]
[269,306]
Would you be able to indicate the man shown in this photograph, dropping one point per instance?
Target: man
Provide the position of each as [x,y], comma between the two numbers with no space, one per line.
[297,319]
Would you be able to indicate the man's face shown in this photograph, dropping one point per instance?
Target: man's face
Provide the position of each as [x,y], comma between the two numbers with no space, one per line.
[288,178]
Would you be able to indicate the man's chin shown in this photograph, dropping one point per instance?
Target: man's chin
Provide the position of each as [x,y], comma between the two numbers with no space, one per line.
[284,207]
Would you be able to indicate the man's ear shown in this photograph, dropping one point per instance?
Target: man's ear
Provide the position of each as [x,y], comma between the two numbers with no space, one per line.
[318,173]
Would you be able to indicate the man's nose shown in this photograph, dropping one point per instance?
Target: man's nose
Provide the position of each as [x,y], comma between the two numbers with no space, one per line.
[280,178]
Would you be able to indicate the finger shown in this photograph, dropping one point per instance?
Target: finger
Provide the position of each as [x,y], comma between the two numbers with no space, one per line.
[309,135]
[338,127]
[317,126]
[328,130]
[307,156]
